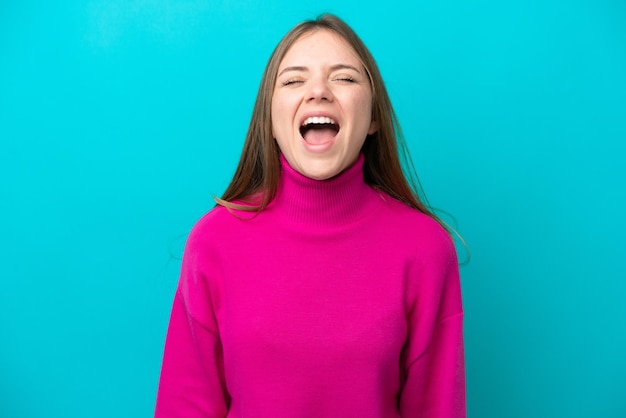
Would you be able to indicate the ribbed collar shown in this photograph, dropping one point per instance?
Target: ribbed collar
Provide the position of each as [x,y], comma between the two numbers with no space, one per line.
[335,202]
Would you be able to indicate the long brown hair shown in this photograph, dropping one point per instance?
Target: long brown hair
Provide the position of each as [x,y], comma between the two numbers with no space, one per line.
[256,178]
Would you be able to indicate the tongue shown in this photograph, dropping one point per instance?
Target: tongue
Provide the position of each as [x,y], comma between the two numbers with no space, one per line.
[319,136]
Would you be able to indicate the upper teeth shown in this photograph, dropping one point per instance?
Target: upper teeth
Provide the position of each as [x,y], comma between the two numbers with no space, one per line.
[318,119]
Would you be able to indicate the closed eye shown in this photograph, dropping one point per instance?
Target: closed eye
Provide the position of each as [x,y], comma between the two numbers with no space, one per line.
[346,79]
[291,82]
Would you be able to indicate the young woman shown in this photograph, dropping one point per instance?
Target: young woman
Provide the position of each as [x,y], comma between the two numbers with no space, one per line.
[320,286]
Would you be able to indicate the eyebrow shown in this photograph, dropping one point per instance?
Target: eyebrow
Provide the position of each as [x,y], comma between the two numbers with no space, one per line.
[333,68]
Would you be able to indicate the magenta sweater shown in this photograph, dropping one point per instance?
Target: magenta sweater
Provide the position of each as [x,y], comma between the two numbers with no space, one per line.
[335,301]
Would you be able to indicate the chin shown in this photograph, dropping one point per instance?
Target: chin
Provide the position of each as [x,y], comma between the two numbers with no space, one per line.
[322,177]
[321,173]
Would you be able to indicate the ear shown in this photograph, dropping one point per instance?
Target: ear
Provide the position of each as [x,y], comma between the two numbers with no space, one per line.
[373,127]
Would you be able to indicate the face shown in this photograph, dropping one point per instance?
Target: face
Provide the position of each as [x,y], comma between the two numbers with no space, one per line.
[321,105]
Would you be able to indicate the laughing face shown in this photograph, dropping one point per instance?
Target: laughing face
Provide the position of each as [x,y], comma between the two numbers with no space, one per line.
[321,105]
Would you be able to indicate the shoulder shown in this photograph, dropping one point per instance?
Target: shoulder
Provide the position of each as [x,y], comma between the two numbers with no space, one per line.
[208,224]
[214,220]
[417,232]
[431,264]
[214,226]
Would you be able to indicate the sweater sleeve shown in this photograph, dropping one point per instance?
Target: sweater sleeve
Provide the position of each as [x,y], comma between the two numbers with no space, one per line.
[192,383]
[433,359]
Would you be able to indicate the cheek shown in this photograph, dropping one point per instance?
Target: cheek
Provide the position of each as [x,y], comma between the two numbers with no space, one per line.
[275,116]
[364,110]
[362,102]
[281,115]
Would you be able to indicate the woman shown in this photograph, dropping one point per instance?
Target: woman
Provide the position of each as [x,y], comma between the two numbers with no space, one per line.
[320,286]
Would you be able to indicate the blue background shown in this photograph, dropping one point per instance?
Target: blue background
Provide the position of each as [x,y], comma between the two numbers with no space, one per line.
[120,119]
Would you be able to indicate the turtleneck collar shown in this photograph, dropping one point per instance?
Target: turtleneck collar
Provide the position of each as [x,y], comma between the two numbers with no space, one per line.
[335,202]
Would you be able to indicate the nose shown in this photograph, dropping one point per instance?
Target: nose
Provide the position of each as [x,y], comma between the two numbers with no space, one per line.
[319,90]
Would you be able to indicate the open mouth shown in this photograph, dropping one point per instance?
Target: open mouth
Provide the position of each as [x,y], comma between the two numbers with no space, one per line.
[318,130]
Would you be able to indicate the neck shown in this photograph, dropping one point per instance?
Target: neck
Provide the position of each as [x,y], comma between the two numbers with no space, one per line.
[335,202]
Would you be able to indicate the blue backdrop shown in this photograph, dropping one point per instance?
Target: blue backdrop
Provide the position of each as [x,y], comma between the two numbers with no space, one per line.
[120,119]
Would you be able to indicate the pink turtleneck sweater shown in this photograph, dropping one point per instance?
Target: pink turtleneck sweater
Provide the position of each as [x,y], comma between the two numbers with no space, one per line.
[335,301]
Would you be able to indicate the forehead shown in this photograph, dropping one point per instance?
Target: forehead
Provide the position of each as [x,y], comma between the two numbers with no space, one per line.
[320,47]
